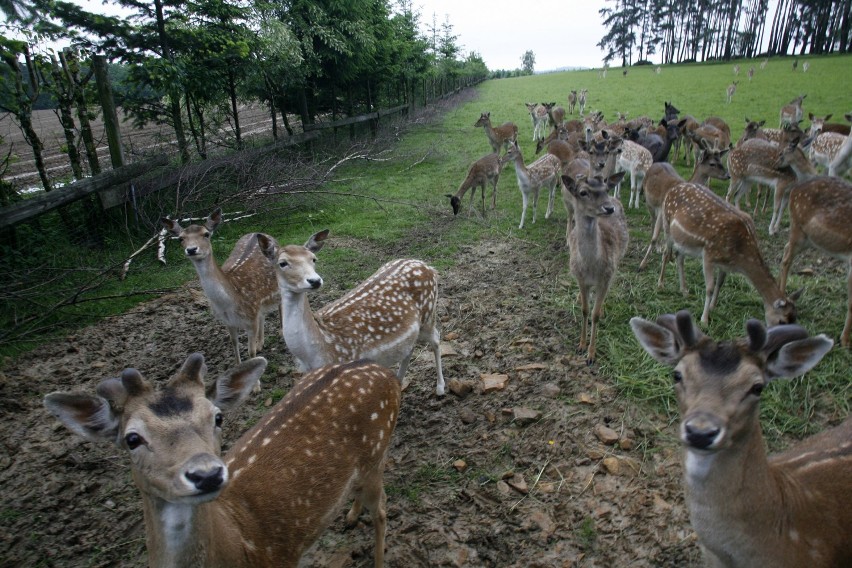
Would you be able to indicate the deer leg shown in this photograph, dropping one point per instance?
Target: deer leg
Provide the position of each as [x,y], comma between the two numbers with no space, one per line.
[777,209]
[709,285]
[584,304]
[680,273]
[658,225]
[434,339]
[494,193]
[794,245]
[720,279]
[403,368]
[535,202]
[600,296]
[484,183]
[234,332]
[847,327]
[667,252]
[551,197]
[525,198]
[371,494]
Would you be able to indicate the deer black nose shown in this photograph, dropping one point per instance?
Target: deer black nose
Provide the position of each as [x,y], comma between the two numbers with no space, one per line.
[701,435]
[609,210]
[315,282]
[206,481]
[191,251]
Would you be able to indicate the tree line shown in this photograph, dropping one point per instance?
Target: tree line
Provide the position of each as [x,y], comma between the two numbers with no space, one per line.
[192,65]
[689,30]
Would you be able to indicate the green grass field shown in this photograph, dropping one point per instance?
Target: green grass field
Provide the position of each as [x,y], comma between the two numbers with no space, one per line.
[432,160]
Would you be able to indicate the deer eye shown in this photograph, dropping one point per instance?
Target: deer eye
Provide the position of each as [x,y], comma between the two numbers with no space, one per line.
[283,264]
[219,419]
[677,376]
[584,193]
[133,440]
[756,389]
[206,235]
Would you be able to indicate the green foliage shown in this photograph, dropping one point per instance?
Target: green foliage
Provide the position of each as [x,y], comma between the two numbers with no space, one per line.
[528,62]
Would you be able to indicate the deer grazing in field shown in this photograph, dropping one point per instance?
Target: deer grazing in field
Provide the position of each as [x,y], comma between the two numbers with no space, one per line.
[764,63]
[572,101]
[824,147]
[661,176]
[791,113]
[750,73]
[597,242]
[581,100]
[697,222]
[543,173]
[539,115]
[260,505]
[500,136]
[842,162]
[382,319]
[788,510]
[820,210]
[483,171]
[555,115]
[820,124]
[736,70]
[242,291]
[729,92]
[805,66]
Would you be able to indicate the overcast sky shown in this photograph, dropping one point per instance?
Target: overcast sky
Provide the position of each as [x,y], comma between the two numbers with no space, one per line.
[561,33]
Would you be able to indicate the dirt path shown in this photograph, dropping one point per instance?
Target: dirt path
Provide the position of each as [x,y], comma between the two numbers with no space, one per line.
[538,486]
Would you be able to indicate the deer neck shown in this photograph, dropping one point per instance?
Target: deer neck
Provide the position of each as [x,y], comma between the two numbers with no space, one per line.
[588,235]
[758,273]
[215,284]
[521,170]
[302,332]
[731,493]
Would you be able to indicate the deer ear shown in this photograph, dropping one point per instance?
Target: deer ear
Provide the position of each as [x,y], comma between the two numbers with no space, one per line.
[214,220]
[232,388]
[267,246]
[317,240]
[90,417]
[170,225]
[797,357]
[660,342]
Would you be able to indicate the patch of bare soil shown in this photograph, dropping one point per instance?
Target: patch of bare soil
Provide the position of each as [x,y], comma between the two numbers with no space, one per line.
[554,470]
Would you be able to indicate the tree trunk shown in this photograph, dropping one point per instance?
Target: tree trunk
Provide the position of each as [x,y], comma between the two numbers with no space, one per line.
[173,93]
[71,65]
[111,125]
[232,91]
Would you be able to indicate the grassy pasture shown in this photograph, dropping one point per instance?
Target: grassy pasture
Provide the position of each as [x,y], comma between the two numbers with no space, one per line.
[432,160]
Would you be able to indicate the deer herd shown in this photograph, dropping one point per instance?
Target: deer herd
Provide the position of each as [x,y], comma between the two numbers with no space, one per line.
[273,493]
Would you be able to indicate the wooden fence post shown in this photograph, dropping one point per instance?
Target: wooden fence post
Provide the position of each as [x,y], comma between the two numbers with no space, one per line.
[111,125]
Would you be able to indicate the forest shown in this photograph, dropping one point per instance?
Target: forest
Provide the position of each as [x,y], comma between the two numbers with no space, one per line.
[689,30]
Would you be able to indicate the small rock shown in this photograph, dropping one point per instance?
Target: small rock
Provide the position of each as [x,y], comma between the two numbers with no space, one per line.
[507,475]
[99,364]
[546,487]
[493,382]
[595,453]
[268,402]
[532,367]
[451,336]
[109,504]
[447,350]
[626,444]
[478,354]
[503,487]
[519,484]
[585,398]
[523,416]
[544,522]
[606,434]
[611,465]
[661,505]
[490,416]
[459,388]
[467,416]
[460,465]
[550,390]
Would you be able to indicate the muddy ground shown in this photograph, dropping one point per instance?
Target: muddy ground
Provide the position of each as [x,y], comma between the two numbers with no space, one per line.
[534,491]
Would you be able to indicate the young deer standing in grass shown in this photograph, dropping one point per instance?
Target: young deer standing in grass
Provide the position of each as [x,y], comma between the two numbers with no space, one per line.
[661,176]
[482,172]
[788,510]
[581,100]
[383,318]
[242,291]
[821,124]
[572,101]
[543,173]
[635,159]
[555,115]
[597,242]
[539,115]
[824,148]
[698,222]
[791,113]
[500,136]
[820,214]
[729,92]
[281,484]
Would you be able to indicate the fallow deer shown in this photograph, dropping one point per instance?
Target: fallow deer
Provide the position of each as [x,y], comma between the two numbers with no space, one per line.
[572,101]
[842,162]
[482,172]
[729,92]
[261,504]
[539,116]
[736,70]
[636,160]
[581,100]
[791,113]
[824,148]
[382,319]
[821,124]
[597,243]
[242,291]
[764,62]
[684,141]
[543,173]
[750,73]
[820,210]
[697,222]
[788,510]
[661,176]
[555,114]
[753,129]
[805,66]
[500,136]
